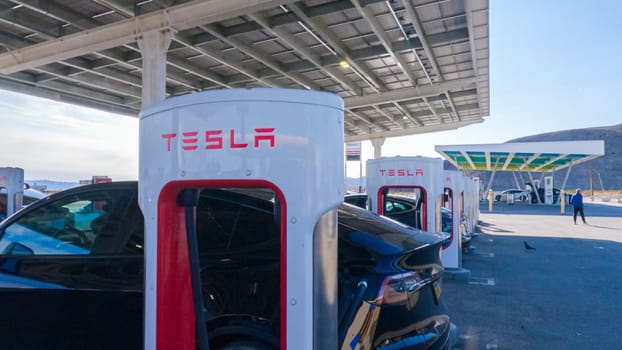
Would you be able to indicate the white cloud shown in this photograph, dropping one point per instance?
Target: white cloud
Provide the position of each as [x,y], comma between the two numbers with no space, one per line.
[56,141]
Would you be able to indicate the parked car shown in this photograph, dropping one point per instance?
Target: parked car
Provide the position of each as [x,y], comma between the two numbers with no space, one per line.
[556,192]
[406,209]
[360,200]
[517,194]
[30,195]
[72,273]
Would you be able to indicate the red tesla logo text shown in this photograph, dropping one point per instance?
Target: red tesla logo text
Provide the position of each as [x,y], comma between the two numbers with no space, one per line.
[213,139]
[401,172]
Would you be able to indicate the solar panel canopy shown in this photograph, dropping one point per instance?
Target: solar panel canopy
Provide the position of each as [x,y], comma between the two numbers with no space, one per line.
[522,156]
[402,66]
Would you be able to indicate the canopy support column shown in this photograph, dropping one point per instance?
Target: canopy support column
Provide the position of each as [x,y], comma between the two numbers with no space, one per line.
[377,144]
[153,46]
[566,177]
[516,180]
[492,177]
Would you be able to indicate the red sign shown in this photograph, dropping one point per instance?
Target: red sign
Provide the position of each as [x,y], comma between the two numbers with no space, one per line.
[213,139]
[100,179]
[401,172]
[353,151]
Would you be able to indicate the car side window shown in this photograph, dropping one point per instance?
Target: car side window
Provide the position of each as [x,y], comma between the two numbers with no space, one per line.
[226,226]
[395,207]
[97,222]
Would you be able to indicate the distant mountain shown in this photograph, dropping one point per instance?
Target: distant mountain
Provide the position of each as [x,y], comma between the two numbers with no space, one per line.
[48,185]
[606,170]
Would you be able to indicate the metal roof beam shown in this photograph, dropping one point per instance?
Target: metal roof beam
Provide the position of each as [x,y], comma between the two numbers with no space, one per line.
[184,42]
[425,113]
[175,18]
[77,63]
[217,57]
[93,81]
[407,113]
[117,7]
[133,59]
[527,162]
[411,14]
[550,162]
[202,73]
[261,57]
[409,93]
[304,51]
[438,118]
[508,160]
[385,40]
[390,118]
[58,12]
[445,38]
[412,131]
[69,88]
[67,16]
[469,19]
[342,52]
[85,93]
[453,106]
[327,60]
[370,123]
[61,96]
[468,159]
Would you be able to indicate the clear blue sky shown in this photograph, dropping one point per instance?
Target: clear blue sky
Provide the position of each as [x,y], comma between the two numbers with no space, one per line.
[554,65]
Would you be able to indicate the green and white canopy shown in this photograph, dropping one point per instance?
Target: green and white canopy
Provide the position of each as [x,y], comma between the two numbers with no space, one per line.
[522,156]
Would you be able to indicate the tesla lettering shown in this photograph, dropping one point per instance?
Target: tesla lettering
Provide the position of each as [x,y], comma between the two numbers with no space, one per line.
[213,139]
[400,172]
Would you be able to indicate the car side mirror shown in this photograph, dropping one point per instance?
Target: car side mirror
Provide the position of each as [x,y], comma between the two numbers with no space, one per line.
[17,249]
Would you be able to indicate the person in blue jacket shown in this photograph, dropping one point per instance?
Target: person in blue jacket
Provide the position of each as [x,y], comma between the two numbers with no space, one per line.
[577,202]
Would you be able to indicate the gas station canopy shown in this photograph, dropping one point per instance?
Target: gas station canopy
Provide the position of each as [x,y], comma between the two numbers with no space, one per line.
[522,156]
[402,66]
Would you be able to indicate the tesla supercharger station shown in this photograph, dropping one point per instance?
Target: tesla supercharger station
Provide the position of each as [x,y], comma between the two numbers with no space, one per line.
[548,190]
[288,141]
[417,177]
[453,197]
[469,202]
[11,183]
[476,200]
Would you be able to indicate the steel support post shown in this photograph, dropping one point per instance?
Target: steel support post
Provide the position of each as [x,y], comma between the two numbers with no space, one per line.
[153,46]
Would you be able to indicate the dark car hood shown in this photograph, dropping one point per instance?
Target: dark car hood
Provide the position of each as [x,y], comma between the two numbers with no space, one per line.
[383,236]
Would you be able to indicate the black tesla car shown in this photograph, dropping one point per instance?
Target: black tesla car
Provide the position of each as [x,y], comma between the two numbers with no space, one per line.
[72,267]
[407,210]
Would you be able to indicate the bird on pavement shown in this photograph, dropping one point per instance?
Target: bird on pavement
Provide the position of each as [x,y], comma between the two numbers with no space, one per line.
[528,247]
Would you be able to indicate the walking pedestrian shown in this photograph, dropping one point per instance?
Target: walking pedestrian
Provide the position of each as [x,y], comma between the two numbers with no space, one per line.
[577,202]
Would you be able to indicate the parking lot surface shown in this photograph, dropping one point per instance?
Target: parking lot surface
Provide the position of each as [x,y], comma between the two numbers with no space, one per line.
[565,294]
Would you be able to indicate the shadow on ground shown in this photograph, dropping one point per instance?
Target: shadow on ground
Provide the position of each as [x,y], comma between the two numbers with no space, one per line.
[564,294]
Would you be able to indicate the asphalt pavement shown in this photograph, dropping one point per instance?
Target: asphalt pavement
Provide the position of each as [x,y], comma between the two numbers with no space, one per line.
[564,294]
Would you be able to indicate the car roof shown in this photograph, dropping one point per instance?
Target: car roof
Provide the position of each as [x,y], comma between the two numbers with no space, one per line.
[31,192]
[357,218]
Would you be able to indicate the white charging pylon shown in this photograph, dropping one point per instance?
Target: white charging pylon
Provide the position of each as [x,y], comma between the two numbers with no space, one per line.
[289,141]
[11,182]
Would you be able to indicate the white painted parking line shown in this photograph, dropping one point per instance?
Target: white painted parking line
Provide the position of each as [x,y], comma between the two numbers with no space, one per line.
[491,346]
[482,281]
[485,255]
